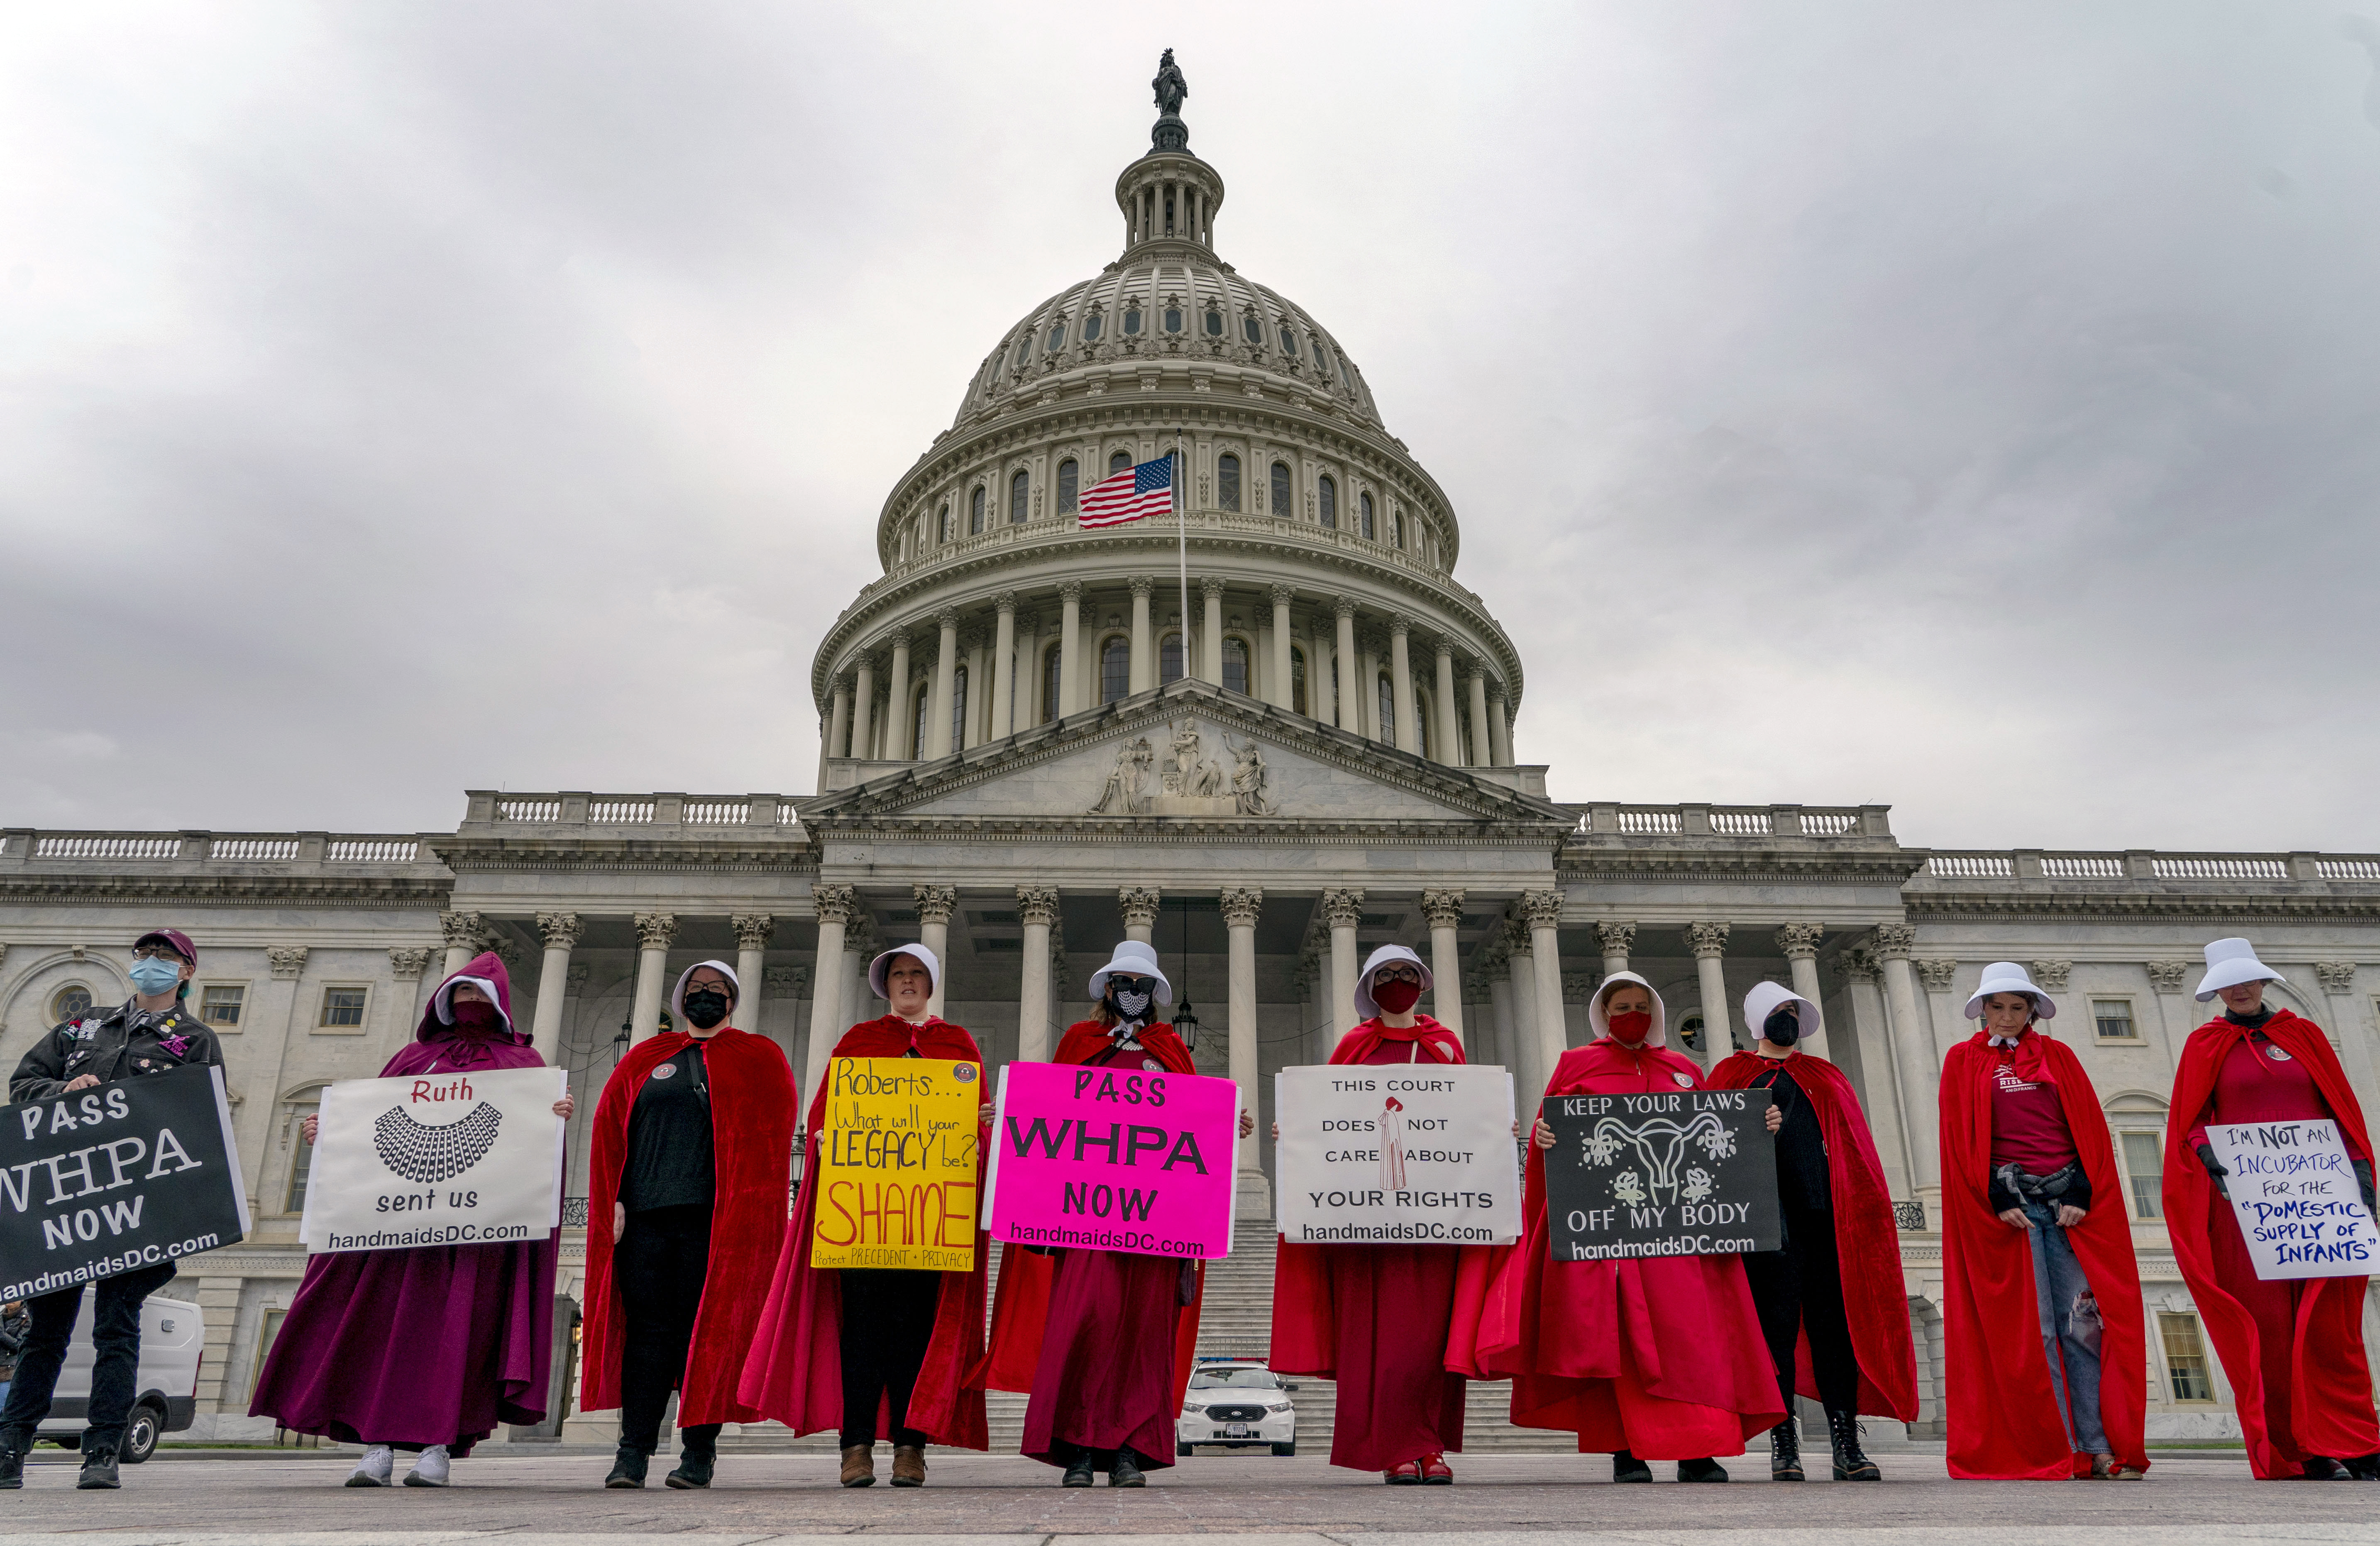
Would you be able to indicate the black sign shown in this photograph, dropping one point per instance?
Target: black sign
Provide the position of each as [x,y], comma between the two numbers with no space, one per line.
[1674,1172]
[112,1180]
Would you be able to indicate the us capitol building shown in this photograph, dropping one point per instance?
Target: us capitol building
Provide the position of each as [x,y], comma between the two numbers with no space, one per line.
[1029,751]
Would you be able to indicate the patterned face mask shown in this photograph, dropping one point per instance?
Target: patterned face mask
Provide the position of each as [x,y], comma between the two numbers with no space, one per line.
[1130,995]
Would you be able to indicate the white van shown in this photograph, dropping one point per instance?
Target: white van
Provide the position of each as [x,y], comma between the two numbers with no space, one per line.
[165,1388]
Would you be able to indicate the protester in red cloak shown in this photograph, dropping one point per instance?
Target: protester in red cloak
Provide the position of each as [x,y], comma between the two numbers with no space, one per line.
[2026,1157]
[1108,1336]
[692,1148]
[2293,1347]
[1659,1358]
[858,1350]
[1831,1300]
[1375,1317]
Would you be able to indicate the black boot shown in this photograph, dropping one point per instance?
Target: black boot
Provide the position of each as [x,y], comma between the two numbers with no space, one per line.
[1627,1467]
[1704,1469]
[2322,1468]
[14,1442]
[627,1468]
[99,1468]
[1078,1470]
[2363,1468]
[695,1462]
[1785,1452]
[1125,1472]
[1842,1430]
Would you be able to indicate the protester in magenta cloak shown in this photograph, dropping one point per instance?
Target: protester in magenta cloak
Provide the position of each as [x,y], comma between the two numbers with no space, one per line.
[428,1349]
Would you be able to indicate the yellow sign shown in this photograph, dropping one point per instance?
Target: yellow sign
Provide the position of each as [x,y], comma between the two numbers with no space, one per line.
[897,1164]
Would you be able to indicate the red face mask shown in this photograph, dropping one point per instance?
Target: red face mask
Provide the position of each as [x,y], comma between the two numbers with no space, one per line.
[1396,997]
[478,1019]
[1630,1025]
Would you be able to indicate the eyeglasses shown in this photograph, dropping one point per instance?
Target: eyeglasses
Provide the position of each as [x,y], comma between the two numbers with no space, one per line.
[1398,974]
[156,953]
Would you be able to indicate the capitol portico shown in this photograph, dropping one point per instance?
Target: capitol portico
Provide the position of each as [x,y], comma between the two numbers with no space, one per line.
[1031,748]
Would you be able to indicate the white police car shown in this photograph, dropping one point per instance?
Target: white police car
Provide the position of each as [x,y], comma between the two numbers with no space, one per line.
[1236,1404]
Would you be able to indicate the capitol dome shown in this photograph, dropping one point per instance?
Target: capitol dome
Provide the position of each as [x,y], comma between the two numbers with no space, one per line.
[1320,552]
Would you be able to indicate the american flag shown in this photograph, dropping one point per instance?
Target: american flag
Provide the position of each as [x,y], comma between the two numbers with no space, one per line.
[1145,490]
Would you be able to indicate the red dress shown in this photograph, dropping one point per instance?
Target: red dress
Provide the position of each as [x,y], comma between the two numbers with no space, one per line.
[2293,1348]
[1375,1317]
[1105,1334]
[1661,1357]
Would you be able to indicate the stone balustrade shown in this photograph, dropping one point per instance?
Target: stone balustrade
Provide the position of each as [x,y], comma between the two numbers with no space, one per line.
[2019,865]
[489,808]
[20,847]
[1599,819]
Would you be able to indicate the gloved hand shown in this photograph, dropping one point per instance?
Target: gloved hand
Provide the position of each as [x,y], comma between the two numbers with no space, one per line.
[2363,1179]
[2214,1169]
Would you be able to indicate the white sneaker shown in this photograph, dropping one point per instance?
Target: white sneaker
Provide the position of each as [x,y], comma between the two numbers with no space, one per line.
[430,1469]
[373,1469]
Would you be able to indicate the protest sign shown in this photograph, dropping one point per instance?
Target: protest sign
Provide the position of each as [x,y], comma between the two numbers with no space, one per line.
[105,1181]
[456,1159]
[1113,1160]
[2294,1192]
[1674,1172]
[897,1157]
[1420,1153]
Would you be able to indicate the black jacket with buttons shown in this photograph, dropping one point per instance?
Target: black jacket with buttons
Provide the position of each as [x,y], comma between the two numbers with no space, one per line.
[99,1044]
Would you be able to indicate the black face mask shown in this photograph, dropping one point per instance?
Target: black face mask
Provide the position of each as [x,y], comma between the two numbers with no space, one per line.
[1783,1025]
[705,1007]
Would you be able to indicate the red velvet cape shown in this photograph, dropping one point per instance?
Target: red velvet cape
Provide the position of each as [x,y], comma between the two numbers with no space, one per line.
[752,1145]
[2003,1411]
[2327,1361]
[1305,1322]
[1691,1330]
[1868,1238]
[1020,1309]
[794,1372]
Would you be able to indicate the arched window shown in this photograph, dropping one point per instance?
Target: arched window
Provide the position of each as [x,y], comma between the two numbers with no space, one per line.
[1016,487]
[1388,710]
[1329,492]
[1057,338]
[1288,343]
[1070,478]
[1363,503]
[974,514]
[1297,681]
[942,523]
[1118,461]
[1091,328]
[958,708]
[1173,319]
[1227,481]
[1283,503]
[1235,664]
[1214,323]
[1168,658]
[1116,669]
[1130,321]
[1052,670]
[1024,349]
[1252,330]
[925,700]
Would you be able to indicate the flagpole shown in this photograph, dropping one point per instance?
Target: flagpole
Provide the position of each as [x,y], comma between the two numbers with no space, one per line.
[1182,534]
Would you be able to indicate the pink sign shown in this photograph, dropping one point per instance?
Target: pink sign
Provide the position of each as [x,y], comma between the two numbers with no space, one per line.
[1113,1159]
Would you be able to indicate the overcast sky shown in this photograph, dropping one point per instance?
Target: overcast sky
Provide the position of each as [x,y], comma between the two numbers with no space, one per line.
[1975,409]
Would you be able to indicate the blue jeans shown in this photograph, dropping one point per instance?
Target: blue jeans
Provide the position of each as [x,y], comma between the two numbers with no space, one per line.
[2058,1281]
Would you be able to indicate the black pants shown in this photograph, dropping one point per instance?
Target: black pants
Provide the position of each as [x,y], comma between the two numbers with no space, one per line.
[887,1320]
[116,1341]
[658,1267]
[1800,1288]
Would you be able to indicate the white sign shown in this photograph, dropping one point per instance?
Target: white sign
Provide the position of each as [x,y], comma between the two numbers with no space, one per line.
[436,1160]
[2294,1191]
[1397,1152]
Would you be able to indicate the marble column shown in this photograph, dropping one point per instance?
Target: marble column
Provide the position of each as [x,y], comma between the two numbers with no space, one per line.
[1321,699]
[1482,745]
[1890,1114]
[935,905]
[946,666]
[1284,693]
[2175,1018]
[859,946]
[1449,741]
[1003,668]
[1070,647]
[561,931]
[654,932]
[1798,942]
[1499,1011]
[838,720]
[1912,1054]
[1578,988]
[1210,632]
[1400,684]
[1615,940]
[973,715]
[1144,650]
[1139,904]
[465,934]
[1368,679]
[863,706]
[1542,911]
[900,716]
[1708,941]
[1444,911]
[835,904]
[1344,907]
[1500,729]
[1942,1015]
[752,934]
[2337,978]
[1037,906]
[1351,706]
[1241,905]
[1529,1071]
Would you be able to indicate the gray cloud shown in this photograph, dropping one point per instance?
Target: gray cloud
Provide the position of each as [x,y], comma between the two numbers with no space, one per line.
[1972,411]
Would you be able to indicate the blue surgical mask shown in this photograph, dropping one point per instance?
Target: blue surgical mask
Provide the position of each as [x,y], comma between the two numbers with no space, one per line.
[156,976]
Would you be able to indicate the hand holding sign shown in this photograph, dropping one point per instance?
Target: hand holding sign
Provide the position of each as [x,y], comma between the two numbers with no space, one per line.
[1677,1173]
[897,1164]
[2295,1193]
[437,1159]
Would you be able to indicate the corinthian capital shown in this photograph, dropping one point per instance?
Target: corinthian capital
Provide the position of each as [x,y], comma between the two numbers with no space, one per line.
[2338,977]
[1708,940]
[1615,937]
[1142,586]
[2166,977]
[286,961]
[1895,940]
[1799,942]
[1140,905]
[935,903]
[752,930]
[560,930]
[1443,908]
[1210,588]
[656,931]
[1936,975]
[836,904]
[1038,904]
[1241,904]
[1542,909]
[463,931]
[1343,906]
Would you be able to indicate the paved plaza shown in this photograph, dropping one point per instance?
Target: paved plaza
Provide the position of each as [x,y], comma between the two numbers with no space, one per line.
[1004,1501]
